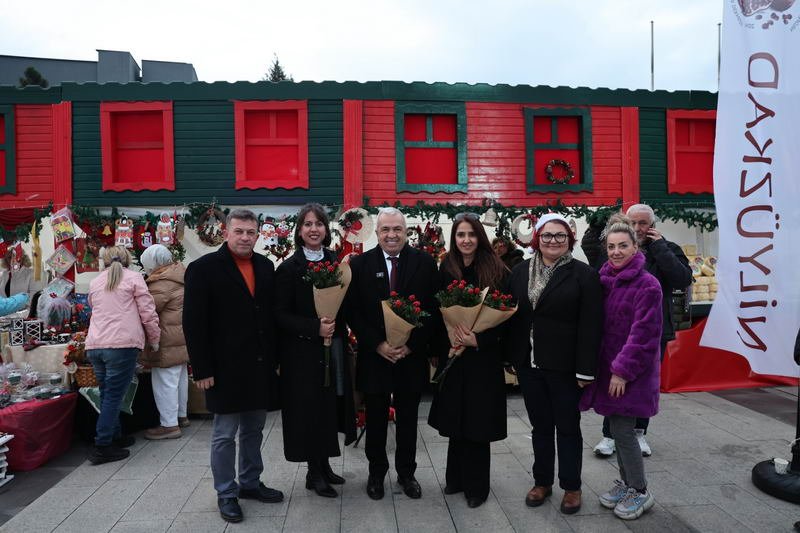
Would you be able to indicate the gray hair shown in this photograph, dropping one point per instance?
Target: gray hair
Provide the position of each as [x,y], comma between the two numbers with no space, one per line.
[241,214]
[389,212]
[156,256]
[642,208]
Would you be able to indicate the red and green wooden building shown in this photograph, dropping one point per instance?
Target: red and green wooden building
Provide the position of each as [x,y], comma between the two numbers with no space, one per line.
[262,143]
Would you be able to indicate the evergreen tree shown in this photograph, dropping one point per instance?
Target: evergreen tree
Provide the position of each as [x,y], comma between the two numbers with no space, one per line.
[33,77]
[276,72]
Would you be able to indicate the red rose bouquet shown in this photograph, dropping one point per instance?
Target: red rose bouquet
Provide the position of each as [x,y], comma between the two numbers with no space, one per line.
[460,304]
[330,282]
[400,316]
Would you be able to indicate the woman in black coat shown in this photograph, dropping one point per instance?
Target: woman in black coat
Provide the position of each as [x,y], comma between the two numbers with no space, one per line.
[469,406]
[553,341]
[313,414]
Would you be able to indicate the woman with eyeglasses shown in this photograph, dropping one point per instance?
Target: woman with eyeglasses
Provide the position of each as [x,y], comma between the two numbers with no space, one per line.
[470,404]
[629,367]
[552,341]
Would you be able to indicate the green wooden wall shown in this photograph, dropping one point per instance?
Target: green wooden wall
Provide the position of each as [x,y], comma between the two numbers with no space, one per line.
[204,158]
[653,160]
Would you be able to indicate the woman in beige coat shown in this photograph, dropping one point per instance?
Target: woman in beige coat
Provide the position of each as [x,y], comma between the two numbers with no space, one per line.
[169,372]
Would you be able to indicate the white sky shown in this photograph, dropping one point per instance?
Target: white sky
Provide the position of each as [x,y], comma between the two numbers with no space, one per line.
[593,43]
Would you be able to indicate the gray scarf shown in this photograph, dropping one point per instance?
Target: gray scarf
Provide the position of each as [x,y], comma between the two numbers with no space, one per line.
[539,276]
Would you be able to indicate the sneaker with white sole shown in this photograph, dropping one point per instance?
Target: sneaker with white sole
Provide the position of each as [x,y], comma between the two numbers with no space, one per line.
[610,499]
[605,448]
[646,451]
[634,504]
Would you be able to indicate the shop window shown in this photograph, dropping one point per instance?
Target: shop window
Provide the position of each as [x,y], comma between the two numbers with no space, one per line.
[8,181]
[431,147]
[137,144]
[271,144]
[558,154]
[690,151]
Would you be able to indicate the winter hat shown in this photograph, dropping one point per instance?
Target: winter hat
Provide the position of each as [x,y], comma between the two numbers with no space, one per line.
[549,217]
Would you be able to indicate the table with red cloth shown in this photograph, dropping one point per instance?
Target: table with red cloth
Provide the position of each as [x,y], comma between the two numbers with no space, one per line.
[689,367]
[42,430]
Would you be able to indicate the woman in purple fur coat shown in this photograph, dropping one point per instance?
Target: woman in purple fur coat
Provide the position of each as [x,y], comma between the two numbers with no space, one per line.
[628,368]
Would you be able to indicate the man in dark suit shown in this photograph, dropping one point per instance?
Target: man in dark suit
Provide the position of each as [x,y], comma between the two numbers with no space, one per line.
[229,333]
[384,372]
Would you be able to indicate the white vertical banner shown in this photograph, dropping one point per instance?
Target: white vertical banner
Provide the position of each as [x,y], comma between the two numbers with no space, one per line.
[757,186]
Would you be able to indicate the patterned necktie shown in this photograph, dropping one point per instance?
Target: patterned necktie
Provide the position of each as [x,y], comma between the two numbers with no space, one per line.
[393,275]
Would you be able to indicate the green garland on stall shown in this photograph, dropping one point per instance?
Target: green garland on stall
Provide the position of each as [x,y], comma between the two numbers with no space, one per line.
[693,214]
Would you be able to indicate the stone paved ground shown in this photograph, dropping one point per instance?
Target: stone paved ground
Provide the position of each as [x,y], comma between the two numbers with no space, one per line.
[704,447]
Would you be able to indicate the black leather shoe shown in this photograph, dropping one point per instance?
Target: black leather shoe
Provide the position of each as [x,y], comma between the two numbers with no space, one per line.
[262,493]
[475,501]
[107,454]
[375,487]
[126,441]
[452,489]
[329,475]
[229,509]
[316,481]
[410,487]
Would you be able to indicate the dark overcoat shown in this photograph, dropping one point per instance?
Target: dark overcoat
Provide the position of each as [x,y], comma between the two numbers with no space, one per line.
[567,322]
[417,275]
[230,334]
[470,403]
[312,414]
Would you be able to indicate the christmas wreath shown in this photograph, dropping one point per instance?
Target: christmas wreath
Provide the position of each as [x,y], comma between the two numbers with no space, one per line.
[564,179]
[524,239]
[210,226]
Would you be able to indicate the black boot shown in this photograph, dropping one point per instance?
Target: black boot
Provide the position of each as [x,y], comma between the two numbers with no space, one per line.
[107,454]
[316,481]
[329,475]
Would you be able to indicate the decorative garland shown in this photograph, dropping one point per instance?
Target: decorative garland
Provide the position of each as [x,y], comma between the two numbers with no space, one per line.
[568,172]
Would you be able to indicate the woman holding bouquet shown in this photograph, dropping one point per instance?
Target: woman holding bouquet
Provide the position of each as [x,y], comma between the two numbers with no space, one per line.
[470,404]
[553,341]
[313,414]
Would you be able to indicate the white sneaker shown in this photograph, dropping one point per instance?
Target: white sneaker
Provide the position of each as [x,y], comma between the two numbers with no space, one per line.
[615,494]
[646,451]
[605,448]
[634,504]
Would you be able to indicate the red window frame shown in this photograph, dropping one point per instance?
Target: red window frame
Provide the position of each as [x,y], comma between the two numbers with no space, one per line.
[678,179]
[108,113]
[243,141]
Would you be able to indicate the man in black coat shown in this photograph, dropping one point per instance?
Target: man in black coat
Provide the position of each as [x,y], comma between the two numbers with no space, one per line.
[230,336]
[383,371]
[666,261]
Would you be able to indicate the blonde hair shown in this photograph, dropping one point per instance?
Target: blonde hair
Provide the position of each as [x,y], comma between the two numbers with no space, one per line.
[620,227]
[115,259]
[617,218]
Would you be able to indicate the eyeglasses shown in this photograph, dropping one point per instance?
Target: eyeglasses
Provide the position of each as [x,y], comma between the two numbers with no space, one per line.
[560,238]
[461,216]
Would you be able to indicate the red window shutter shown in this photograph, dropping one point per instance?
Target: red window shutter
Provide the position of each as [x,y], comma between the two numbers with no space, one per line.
[137,146]
[690,151]
[271,144]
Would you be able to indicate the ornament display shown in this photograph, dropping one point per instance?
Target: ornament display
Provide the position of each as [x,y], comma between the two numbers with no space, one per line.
[164,230]
[210,226]
[281,239]
[63,228]
[355,225]
[565,177]
[269,234]
[87,253]
[429,239]
[61,260]
[144,237]
[123,235]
